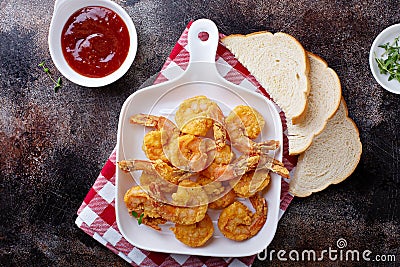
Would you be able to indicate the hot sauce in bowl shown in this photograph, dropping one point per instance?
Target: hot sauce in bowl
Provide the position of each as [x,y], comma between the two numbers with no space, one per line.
[95,41]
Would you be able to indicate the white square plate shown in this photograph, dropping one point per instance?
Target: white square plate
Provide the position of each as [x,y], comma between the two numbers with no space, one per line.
[163,99]
[200,78]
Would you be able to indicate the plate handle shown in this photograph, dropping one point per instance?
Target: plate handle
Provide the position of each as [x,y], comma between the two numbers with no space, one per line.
[203,51]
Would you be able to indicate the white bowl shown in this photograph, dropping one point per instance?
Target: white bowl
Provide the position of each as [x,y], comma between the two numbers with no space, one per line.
[386,36]
[63,9]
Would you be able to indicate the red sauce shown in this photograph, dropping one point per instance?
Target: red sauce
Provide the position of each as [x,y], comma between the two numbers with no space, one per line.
[95,41]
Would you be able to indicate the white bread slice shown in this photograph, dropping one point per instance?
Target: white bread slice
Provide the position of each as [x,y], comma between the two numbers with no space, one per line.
[280,64]
[331,158]
[323,101]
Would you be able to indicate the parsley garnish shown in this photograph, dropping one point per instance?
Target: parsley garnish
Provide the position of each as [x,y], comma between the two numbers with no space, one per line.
[140,219]
[390,64]
[57,84]
[136,215]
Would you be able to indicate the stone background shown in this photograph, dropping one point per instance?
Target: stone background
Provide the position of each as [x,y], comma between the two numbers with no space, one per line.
[53,145]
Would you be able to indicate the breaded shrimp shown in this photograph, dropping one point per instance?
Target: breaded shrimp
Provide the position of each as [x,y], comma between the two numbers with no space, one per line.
[194,235]
[252,120]
[251,183]
[152,146]
[189,194]
[181,215]
[138,201]
[219,196]
[170,143]
[246,163]
[240,128]
[165,171]
[238,223]
[196,115]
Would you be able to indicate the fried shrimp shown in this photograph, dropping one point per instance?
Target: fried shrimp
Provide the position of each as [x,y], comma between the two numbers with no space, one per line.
[188,206]
[246,163]
[190,116]
[152,146]
[252,120]
[199,152]
[196,115]
[218,195]
[137,200]
[194,235]
[224,201]
[234,170]
[192,203]
[222,157]
[251,182]
[156,186]
[157,167]
[181,215]
[241,128]
[187,172]
[189,194]
[238,223]
[170,143]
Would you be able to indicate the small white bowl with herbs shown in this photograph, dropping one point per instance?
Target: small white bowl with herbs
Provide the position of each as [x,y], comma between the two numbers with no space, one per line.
[384,59]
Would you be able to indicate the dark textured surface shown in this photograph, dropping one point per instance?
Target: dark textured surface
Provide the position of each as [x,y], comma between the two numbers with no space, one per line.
[54,145]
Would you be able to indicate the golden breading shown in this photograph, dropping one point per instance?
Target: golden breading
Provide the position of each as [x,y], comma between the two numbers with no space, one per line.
[252,120]
[197,115]
[194,235]
[152,146]
[251,182]
[238,223]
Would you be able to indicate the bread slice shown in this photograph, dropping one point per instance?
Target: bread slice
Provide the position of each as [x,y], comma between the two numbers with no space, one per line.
[331,158]
[323,101]
[280,64]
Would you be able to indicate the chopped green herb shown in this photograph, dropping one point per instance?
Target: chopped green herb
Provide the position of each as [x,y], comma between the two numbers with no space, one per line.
[136,215]
[58,83]
[140,219]
[389,62]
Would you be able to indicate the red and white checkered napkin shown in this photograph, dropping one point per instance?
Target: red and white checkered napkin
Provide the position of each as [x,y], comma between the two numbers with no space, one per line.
[96,216]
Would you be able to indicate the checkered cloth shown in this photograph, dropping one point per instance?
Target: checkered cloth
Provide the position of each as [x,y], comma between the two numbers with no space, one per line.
[96,216]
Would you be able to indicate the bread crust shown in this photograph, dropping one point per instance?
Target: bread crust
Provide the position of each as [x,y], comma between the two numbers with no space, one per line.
[300,117]
[297,151]
[302,192]
[338,82]
[358,136]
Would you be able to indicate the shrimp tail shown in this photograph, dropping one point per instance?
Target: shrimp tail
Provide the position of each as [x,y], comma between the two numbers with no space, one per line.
[279,168]
[158,167]
[264,146]
[144,119]
[239,167]
[274,165]
[158,122]
[245,163]
[127,165]
[138,165]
